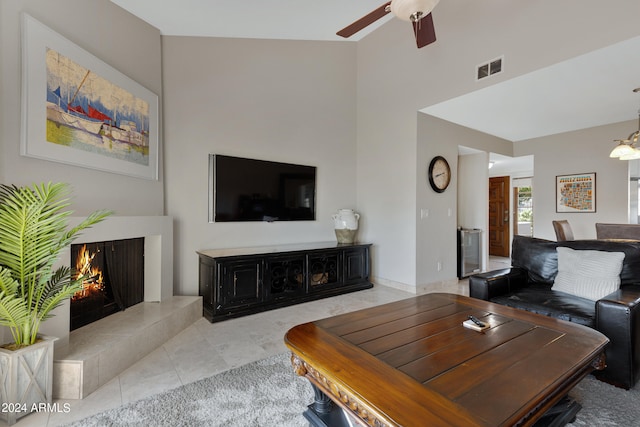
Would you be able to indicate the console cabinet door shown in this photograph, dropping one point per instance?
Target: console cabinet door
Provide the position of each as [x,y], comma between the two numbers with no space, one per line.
[240,283]
[324,270]
[356,265]
[284,277]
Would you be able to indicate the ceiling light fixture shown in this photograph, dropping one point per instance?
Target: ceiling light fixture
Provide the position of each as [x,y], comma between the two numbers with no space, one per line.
[626,148]
[412,10]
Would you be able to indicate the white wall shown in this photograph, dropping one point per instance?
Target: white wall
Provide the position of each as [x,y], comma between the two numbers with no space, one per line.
[435,232]
[576,152]
[473,180]
[473,200]
[464,203]
[288,101]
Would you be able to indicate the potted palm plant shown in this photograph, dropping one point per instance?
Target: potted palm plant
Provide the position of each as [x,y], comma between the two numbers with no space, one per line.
[33,232]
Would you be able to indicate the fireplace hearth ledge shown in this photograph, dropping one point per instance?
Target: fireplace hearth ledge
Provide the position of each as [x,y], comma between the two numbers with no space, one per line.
[98,352]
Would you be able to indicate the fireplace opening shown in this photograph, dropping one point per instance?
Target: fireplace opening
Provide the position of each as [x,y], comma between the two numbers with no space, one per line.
[114,278]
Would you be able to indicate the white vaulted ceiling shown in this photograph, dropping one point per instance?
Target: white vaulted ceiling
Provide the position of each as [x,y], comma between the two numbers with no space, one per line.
[590,90]
[260,19]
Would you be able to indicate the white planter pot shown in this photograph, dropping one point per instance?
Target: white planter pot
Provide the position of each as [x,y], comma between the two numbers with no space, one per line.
[346,225]
[26,377]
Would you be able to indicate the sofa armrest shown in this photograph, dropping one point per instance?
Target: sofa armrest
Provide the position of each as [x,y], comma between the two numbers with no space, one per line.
[497,282]
[618,317]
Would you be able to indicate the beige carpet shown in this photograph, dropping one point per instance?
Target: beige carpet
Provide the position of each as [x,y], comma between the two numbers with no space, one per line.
[259,394]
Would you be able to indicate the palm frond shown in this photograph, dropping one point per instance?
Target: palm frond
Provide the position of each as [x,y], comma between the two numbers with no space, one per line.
[8,284]
[59,282]
[54,299]
[14,314]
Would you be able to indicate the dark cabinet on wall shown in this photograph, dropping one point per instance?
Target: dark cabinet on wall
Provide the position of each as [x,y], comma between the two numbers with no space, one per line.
[237,282]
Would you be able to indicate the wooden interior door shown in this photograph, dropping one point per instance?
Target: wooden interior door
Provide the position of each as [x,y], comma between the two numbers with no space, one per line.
[499,216]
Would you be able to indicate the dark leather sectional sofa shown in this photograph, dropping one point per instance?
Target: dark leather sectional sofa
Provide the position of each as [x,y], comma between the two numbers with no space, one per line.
[527,285]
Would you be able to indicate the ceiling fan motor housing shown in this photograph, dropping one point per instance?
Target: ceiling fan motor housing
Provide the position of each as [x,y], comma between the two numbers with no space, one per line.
[412,10]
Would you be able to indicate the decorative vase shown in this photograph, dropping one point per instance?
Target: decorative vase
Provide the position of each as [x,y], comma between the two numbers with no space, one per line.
[346,225]
[26,379]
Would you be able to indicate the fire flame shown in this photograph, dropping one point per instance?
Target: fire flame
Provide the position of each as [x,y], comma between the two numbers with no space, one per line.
[93,282]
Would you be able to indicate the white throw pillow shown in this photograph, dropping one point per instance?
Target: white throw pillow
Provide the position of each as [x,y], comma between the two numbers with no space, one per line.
[588,274]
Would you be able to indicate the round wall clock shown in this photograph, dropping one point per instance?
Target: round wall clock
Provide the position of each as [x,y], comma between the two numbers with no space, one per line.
[439,174]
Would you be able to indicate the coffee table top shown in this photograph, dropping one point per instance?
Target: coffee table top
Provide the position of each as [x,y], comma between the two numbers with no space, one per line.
[412,362]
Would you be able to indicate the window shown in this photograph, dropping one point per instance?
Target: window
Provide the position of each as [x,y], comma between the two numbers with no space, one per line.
[523,207]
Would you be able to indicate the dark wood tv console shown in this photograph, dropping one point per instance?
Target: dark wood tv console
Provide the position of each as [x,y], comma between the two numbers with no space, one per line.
[241,281]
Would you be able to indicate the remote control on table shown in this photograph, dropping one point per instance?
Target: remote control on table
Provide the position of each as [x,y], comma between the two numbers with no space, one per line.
[476,321]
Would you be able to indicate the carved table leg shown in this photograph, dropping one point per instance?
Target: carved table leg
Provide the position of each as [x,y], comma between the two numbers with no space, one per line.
[562,413]
[321,404]
[324,413]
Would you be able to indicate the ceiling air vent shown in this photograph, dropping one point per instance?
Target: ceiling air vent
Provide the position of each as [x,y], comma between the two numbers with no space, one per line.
[489,68]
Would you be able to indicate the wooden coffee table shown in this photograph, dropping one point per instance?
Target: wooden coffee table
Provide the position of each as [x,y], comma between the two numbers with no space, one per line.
[412,363]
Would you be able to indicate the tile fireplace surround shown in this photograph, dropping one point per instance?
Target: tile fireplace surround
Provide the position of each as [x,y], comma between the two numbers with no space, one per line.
[90,356]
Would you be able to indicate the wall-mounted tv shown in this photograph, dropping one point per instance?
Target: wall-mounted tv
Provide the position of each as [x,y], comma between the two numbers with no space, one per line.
[258,190]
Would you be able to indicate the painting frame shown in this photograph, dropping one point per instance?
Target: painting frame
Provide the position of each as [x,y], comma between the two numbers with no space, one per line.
[576,193]
[129,147]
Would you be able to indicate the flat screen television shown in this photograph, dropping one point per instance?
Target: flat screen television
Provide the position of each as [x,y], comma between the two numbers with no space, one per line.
[258,190]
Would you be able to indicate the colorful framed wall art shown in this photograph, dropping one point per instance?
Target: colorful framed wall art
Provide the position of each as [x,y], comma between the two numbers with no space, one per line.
[78,110]
[576,193]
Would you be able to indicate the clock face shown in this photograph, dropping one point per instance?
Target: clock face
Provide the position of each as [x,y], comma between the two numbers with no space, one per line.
[439,174]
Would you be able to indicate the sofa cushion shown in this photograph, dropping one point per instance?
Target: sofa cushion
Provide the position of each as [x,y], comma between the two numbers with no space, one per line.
[541,299]
[537,256]
[588,274]
[630,267]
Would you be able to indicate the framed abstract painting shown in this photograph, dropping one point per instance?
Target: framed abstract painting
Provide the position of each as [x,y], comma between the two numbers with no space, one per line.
[78,110]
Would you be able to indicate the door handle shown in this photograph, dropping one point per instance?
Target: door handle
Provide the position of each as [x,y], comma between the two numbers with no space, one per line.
[506,217]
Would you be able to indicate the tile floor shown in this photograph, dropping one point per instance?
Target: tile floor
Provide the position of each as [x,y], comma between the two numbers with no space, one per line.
[204,349]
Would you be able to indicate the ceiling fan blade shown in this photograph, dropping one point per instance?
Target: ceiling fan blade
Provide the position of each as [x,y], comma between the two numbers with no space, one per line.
[424,31]
[365,21]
